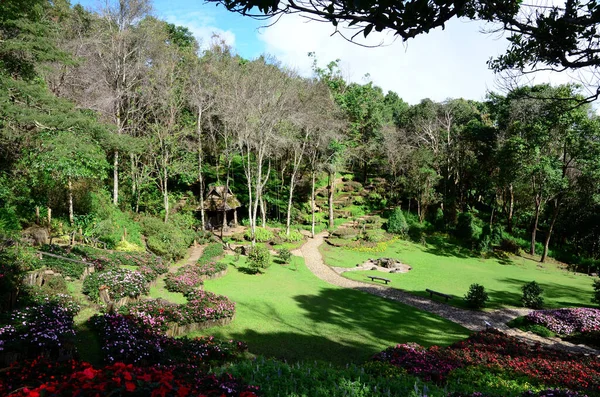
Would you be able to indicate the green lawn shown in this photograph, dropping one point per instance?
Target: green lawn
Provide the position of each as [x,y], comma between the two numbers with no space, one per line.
[450,269]
[289,313]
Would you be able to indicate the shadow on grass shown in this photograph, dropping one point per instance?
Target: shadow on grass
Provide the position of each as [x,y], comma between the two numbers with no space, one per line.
[559,293]
[88,345]
[442,246]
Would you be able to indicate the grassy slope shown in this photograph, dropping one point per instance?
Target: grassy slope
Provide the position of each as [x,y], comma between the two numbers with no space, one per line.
[289,313]
[446,268]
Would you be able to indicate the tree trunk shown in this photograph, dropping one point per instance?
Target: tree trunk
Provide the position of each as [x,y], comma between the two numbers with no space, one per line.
[549,234]
[419,211]
[165,193]
[263,210]
[331,190]
[200,175]
[511,207]
[70,188]
[535,225]
[289,207]
[116,178]
[313,204]
[133,179]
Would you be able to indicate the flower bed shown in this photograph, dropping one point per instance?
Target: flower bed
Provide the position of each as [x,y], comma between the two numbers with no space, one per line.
[46,378]
[129,340]
[46,328]
[186,279]
[212,270]
[203,309]
[494,350]
[121,283]
[567,321]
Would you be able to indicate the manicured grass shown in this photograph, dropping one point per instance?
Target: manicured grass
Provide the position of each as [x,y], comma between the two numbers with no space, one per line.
[450,269]
[289,313]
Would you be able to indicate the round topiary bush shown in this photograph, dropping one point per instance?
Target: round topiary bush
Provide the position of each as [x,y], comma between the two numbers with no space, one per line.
[259,258]
[285,255]
[397,222]
[532,295]
[476,297]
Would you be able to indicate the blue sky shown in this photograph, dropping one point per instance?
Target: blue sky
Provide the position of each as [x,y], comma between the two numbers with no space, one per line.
[443,64]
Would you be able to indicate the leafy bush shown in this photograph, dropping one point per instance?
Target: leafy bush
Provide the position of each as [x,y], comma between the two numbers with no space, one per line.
[466,228]
[596,298]
[111,224]
[532,295]
[374,236]
[397,222]
[294,236]
[126,246]
[285,255]
[66,268]
[526,325]
[509,245]
[345,233]
[165,239]
[476,297]
[262,234]
[416,232]
[211,252]
[259,258]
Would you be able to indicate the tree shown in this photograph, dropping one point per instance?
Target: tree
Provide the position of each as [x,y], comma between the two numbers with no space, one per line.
[558,37]
[68,158]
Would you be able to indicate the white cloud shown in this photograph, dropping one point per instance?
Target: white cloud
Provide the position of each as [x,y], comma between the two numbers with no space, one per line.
[203,28]
[448,63]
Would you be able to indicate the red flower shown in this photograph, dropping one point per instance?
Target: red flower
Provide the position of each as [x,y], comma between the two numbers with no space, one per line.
[130,386]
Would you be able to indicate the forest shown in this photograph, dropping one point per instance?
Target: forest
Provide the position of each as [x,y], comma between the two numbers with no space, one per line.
[117,130]
[121,107]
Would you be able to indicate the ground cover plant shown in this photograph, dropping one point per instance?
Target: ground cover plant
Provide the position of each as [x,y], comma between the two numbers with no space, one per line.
[450,269]
[42,377]
[291,314]
[493,351]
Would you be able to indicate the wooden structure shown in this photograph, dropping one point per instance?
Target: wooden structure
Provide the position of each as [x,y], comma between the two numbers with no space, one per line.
[220,207]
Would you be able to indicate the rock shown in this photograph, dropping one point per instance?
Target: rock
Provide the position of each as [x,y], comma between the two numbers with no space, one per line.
[37,235]
[68,278]
[374,268]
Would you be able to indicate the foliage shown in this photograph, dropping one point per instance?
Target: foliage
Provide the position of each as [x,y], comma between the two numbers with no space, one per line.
[532,295]
[596,298]
[119,282]
[210,253]
[165,239]
[126,246]
[397,223]
[184,280]
[259,258]
[525,325]
[293,237]
[466,228]
[285,255]
[14,262]
[509,245]
[262,234]
[108,223]
[476,297]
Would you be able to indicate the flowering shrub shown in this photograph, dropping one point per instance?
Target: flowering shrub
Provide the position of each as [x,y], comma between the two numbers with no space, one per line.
[211,268]
[127,339]
[120,282]
[186,279]
[428,364]
[46,327]
[44,378]
[567,321]
[492,349]
[202,306]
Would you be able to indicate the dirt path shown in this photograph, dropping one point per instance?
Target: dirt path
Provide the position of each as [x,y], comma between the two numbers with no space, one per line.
[472,320]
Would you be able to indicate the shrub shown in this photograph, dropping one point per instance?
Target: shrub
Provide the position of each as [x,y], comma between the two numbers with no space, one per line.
[466,228]
[476,297]
[596,298]
[416,232]
[509,245]
[186,279]
[259,258]
[126,246]
[113,222]
[66,268]
[285,255]
[262,234]
[165,239]
[397,222]
[532,295]
[567,321]
[294,236]
[211,252]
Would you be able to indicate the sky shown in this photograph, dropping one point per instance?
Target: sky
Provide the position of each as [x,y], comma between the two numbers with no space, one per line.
[449,63]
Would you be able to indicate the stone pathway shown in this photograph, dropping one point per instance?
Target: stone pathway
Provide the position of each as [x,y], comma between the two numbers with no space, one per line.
[473,320]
